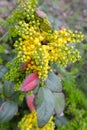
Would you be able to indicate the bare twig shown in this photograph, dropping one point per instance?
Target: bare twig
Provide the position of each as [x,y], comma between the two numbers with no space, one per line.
[3,36]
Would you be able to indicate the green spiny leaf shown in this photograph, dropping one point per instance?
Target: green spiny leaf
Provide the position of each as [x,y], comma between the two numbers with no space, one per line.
[7,110]
[59,102]
[3,70]
[8,89]
[45,106]
[53,83]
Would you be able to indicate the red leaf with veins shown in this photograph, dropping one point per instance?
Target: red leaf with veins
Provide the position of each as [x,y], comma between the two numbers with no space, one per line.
[30,102]
[30,82]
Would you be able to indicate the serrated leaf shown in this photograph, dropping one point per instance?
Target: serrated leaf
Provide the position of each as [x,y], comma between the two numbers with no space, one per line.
[45,106]
[7,111]
[59,102]
[8,89]
[53,82]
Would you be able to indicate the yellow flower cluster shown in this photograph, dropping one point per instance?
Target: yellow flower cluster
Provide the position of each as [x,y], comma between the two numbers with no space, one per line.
[29,122]
[38,45]
[41,49]
[62,49]
[32,51]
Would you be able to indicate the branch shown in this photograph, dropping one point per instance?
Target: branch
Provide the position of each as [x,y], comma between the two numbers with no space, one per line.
[3,36]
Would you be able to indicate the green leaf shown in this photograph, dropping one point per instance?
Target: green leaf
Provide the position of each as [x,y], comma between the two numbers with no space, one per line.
[59,102]
[3,70]
[15,97]
[3,23]
[45,106]
[1,101]
[1,60]
[40,2]
[59,68]
[60,121]
[4,56]
[1,49]
[19,1]
[8,89]
[53,83]
[1,88]
[7,111]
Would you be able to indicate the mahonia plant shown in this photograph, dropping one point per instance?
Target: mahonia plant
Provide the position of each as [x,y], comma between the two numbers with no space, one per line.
[38,47]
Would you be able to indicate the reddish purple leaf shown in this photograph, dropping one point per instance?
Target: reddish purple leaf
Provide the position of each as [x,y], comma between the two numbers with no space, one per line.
[30,82]
[30,102]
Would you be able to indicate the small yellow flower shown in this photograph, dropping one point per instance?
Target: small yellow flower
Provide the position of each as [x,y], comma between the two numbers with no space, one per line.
[29,122]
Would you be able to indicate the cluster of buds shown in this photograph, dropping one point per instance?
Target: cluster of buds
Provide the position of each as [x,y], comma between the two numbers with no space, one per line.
[41,49]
